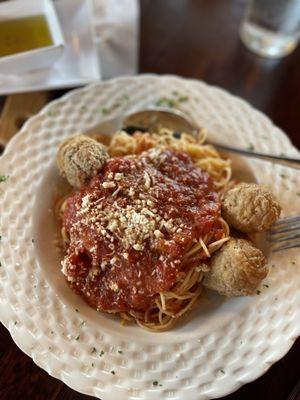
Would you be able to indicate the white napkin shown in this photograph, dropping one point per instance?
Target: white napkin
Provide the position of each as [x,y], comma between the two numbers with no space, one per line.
[116,31]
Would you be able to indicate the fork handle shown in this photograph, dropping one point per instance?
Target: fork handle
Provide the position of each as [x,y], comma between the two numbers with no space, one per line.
[285,161]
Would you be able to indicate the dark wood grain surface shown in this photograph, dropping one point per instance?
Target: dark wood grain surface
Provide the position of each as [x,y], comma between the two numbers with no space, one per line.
[199,39]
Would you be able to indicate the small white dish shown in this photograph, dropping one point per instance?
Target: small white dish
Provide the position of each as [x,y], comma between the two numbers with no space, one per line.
[78,64]
[37,58]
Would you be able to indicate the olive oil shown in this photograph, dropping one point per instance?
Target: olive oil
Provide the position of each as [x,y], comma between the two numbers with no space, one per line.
[23,34]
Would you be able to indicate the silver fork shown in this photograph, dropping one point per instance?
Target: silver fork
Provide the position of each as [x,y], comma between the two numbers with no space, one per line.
[285,234]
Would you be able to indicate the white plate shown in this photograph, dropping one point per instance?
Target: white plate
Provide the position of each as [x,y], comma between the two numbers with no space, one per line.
[223,343]
[77,66]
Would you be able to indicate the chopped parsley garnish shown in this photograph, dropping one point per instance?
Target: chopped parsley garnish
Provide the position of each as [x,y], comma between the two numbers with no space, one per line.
[282,176]
[282,155]
[83,108]
[298,194]
[171,102]
[122,100]
[49,114]
[77,337]
[101,353]
[181,99]
[164,101]
[266,285]
[93,364]
[160,102]
[94,350]
[104,111]
[32,240]
[15,322]
[0,237]
[3,178]
[113,372]
[258,292]
[0,264]
[250,147]
[156,383]
[222,370]
[82,323]
[120,351]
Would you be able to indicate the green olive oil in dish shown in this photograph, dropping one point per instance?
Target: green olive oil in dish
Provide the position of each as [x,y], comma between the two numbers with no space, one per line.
[23,34]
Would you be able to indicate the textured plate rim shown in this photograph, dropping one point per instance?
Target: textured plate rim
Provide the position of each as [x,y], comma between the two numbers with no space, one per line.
[281,351]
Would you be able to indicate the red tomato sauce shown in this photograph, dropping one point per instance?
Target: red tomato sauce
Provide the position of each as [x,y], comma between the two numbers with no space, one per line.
[131,226]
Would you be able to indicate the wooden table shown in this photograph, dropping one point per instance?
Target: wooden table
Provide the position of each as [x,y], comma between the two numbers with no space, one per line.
[199,39]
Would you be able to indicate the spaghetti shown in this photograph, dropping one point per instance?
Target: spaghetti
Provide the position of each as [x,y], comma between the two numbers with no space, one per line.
[139,236]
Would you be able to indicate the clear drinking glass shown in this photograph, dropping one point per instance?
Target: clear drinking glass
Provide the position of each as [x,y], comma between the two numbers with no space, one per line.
[271,28]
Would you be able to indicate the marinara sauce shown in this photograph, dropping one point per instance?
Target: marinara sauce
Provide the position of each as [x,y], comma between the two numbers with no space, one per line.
[131,226]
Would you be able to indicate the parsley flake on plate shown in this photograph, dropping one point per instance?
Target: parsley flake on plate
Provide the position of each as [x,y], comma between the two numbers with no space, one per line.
[3,178]
[182,99]
[104,111]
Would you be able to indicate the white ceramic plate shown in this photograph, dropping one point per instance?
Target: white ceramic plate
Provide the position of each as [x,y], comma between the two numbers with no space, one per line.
[221,345]
[76,67]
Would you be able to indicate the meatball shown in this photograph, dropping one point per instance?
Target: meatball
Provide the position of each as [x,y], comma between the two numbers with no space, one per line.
[236,269]
[250,208]
[79,158]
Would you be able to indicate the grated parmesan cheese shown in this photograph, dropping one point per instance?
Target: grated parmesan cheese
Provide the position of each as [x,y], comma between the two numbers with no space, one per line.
[113,286]
[108,185]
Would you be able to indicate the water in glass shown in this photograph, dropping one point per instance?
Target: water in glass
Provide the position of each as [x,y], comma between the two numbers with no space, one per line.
[271,27]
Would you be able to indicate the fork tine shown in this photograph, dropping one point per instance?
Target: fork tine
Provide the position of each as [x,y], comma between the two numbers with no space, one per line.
[285,234]
[287,220]
[284,237]
[285,247]
[274,231]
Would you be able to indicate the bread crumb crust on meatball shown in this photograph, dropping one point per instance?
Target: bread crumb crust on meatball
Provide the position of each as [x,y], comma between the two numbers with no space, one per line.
[236,269]
[79,158]
[250,208]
